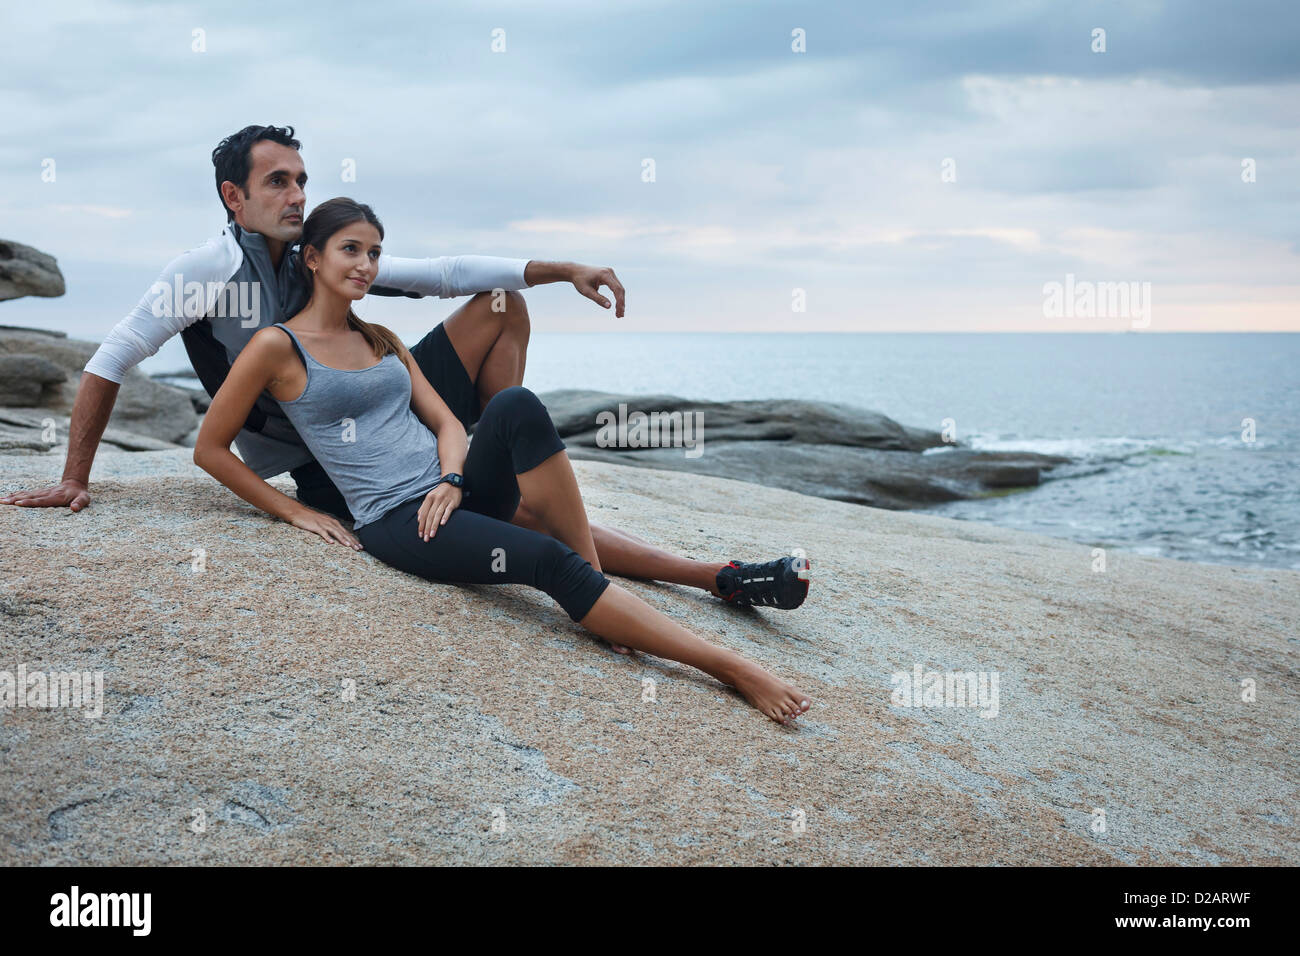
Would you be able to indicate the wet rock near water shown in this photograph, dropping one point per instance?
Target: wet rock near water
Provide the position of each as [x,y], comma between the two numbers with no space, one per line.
[815,448]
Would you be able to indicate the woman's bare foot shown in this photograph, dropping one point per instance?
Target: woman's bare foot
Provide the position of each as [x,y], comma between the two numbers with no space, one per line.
[771,695]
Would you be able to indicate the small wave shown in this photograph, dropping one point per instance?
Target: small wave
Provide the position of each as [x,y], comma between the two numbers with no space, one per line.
[1236,442]
[1103,449]
[1116,448]
[1259,535]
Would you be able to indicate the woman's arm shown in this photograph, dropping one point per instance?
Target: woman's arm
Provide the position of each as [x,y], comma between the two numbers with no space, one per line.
[453,442]
[453,445]
[257,368]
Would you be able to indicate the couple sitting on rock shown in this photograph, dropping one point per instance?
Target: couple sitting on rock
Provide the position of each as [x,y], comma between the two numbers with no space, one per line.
[376,434]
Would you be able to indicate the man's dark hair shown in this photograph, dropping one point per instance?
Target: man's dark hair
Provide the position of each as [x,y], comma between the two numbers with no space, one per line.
[233,156]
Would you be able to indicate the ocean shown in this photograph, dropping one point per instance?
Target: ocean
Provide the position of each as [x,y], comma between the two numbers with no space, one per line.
[1187,444]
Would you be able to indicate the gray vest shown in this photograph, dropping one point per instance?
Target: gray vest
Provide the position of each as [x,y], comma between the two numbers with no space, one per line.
[267,443]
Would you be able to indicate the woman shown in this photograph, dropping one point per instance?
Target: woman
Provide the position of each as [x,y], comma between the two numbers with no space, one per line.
[404,465]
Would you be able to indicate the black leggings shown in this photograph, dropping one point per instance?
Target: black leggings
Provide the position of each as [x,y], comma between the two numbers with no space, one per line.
[478,545]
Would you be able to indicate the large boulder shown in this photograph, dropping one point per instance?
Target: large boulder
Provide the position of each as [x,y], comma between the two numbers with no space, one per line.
[28,379]
[29,430]
[27,271]
[574,412]
[146,407]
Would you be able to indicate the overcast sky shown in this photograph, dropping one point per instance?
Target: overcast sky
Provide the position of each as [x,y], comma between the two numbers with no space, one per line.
[774,170]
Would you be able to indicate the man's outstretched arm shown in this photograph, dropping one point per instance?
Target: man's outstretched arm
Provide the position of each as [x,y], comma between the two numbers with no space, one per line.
[449,276]
[90,414]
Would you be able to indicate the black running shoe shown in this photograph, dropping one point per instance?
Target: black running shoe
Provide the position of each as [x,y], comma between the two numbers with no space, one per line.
[781,583]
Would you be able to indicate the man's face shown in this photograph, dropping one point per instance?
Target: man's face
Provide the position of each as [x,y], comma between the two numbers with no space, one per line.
[275,201]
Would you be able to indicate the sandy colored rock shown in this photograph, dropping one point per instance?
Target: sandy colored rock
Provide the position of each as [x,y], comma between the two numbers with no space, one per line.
[224,693]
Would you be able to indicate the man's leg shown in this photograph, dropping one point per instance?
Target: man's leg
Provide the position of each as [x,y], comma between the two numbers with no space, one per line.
[492,348]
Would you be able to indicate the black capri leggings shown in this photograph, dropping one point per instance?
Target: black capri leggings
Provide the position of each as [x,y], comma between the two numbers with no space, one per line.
[478,545]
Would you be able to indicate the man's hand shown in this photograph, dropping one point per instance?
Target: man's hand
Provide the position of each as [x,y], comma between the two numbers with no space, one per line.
[437,507]
[90,414]
[327,526]
[68,492]
[589,279]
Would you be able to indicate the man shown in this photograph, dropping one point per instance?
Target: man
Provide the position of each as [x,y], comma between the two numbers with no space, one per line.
[218,295]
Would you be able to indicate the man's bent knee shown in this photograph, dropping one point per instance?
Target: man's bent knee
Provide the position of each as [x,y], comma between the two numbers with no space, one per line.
[517,323]
[501,302]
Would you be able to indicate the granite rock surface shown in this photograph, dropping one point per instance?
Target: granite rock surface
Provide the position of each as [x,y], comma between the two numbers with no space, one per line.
[272,699]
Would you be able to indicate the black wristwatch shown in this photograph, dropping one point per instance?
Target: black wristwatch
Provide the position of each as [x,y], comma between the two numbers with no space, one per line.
[452,479]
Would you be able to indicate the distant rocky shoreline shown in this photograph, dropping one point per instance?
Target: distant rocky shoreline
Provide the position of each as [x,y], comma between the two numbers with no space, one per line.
[816,448]
[40,372]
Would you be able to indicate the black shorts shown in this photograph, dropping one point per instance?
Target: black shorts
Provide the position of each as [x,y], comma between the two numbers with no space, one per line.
[446,373]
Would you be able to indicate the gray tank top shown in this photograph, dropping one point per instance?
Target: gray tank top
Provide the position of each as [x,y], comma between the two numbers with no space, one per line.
[360,426]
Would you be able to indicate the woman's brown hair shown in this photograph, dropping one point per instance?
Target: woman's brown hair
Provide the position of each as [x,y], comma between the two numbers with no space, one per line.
[325,220]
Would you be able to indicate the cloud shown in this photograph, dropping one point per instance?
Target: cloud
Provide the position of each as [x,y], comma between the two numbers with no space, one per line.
[773,169]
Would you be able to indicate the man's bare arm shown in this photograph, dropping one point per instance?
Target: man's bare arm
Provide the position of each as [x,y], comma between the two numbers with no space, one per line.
[90,414]
[586,279]
[539,272]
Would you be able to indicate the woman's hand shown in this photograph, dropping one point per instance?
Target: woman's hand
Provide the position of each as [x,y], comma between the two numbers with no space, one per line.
[438,505]
[327,526]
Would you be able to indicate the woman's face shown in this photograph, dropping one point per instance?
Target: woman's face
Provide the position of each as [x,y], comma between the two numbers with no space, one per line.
[349,262]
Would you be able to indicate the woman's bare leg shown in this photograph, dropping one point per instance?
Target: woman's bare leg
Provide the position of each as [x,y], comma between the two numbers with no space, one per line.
[628,556]
[553,488]
[619,615]
[626,621]
[557,504]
